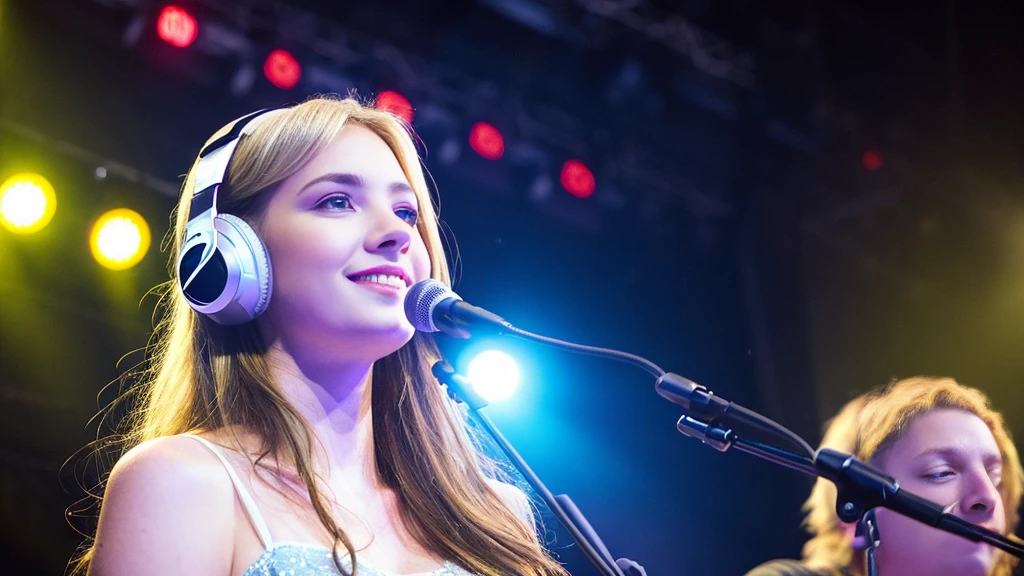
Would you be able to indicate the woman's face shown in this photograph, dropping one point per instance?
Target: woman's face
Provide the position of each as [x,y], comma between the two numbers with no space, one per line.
[949,457]
[343,244]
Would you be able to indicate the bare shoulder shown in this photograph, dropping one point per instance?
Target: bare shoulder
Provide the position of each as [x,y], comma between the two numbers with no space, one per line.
[515,499]
[171,465]
[168,508]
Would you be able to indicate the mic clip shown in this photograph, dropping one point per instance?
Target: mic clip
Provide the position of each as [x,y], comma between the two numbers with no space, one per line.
[868,539]
[866,536]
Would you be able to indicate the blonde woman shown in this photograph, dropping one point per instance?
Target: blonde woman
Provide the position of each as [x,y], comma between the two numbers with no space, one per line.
[941,441]
[291,425]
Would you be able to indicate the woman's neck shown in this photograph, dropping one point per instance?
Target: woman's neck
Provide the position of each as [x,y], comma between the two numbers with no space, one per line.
[335,399]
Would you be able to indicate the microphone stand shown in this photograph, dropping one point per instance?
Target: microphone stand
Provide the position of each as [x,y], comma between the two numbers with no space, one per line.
[861,487]
[561,506]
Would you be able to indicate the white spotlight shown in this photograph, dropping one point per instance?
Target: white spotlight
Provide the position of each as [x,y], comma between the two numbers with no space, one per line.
[494,375]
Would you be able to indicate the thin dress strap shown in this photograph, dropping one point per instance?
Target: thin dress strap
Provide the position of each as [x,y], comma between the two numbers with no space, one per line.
[248,503]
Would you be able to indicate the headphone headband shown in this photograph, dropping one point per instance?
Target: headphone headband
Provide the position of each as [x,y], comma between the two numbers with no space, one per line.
[215,158]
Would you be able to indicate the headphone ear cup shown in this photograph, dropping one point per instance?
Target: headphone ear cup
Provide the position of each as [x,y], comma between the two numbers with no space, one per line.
[255,282]
[203,292]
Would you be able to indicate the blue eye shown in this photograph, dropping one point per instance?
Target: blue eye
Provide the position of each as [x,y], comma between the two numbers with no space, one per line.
[408,214]
[337,202]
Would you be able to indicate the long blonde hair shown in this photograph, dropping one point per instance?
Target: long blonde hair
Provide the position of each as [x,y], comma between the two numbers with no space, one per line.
[873,421]
[206,377]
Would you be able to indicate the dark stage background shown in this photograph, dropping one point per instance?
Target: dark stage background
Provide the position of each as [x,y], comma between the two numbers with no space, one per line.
[795,202]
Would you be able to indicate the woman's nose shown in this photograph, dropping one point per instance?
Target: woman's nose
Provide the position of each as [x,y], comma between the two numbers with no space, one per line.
[388,233]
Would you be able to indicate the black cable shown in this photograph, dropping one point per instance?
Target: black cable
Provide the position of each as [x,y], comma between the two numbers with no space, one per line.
[776,455]
[766,424]
[743,414]
[626,357]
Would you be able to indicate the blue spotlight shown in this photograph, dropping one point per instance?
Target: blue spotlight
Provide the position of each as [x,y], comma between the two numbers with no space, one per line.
[494,375]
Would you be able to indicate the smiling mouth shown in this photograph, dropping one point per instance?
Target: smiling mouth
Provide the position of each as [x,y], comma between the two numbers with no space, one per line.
[382,279]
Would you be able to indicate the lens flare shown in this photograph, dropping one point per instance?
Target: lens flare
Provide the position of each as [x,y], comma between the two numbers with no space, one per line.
[27,203]
[119,239]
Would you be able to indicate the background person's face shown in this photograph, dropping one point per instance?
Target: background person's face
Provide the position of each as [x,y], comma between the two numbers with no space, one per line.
[950,457]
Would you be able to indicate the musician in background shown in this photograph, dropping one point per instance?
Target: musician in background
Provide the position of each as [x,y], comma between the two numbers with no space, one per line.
[940,440]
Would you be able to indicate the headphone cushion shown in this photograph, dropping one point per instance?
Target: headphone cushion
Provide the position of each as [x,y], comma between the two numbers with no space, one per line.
[247,237]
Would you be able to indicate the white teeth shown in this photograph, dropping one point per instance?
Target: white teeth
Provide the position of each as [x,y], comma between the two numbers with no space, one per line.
[381,279]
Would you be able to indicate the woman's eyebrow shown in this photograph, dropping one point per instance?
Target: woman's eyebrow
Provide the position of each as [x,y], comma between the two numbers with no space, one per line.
[400,187]
[355,180]
[337,178]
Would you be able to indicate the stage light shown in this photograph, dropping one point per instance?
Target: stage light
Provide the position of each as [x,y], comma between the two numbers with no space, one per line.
[577,179]
[282,69]
[871,160]
[486,141]
[119,239]
[393,102]
[494,375]
[27,203]
[176,27]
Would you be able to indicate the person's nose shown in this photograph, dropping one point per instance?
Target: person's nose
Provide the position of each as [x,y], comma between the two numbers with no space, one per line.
[388,232]
[980,498]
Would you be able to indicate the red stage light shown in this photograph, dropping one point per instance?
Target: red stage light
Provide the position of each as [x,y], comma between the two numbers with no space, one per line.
[176,27]
[391,101]
[577,179]
[871,160]
[282,69]
[486,141]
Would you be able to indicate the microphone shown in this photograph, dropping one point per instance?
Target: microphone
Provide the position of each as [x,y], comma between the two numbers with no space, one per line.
[430,306]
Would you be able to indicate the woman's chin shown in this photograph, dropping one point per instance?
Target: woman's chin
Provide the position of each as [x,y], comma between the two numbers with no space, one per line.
[368,341]
[391,339]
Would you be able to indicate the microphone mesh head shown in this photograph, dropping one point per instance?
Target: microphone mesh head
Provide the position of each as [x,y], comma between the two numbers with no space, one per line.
[421,300]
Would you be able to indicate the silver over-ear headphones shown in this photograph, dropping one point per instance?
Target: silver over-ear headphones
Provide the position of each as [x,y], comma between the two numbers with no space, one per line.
[223,267]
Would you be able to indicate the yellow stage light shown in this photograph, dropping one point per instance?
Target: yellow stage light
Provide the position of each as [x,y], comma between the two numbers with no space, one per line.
[119,239]
[27,203]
